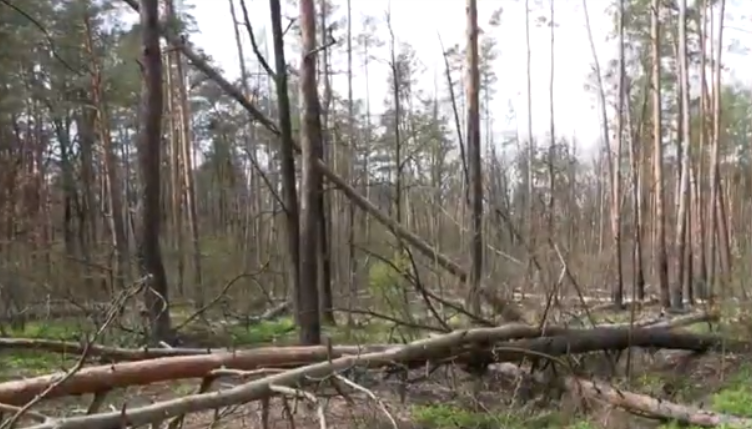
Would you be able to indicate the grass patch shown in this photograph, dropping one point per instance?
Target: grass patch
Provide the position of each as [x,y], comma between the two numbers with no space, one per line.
[15,363]
[283,330]
[18,363]
[734,398]
[62,330]
[454,417]
[268,331]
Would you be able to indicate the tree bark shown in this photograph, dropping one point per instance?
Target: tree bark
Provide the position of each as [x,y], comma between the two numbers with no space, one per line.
[150,138]
[308,310]
[474,158]
[287,167]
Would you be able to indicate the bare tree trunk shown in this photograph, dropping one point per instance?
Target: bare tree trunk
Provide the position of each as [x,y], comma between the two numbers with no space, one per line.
[352,153]
[397,79]
[612,172]
[714,176]
[660,221]
[287,154]
[474,158]
[186,141]
[638,158]
[702,283]
[551,230]
[189,189]
[150,139]
[530,177]
[308,317]
[677,295]
[114,191]
[618,288]
[175,180]
[326,303]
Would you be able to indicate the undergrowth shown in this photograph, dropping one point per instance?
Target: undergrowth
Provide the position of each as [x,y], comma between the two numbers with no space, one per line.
[444,416]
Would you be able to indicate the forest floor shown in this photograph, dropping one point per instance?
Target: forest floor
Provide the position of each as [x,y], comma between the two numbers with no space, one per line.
[446,399]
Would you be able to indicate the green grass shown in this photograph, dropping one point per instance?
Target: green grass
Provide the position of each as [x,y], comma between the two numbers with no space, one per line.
[734,398]
[272,331]
[63,330]
[14,363]
[454,417]
[283,330]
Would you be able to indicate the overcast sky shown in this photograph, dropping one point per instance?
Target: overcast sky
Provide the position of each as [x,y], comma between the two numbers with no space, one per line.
[419,22]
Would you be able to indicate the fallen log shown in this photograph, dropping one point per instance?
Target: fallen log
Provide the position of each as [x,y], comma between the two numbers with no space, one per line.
[503,333]
[610,339]
[121,354]
[643,405]
[684,321]
[106,377]
[263,388]
[467,347]
[664,323]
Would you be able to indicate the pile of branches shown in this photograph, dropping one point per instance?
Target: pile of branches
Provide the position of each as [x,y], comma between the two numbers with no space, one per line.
[272,371]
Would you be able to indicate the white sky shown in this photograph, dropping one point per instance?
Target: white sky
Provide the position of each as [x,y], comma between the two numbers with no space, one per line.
[418,22]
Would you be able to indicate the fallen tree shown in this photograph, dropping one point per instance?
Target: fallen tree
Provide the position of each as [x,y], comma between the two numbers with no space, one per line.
[642,405]
[468,347]
[122,354]
[450,347]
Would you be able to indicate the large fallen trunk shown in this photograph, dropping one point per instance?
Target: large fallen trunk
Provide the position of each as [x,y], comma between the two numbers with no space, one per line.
[121,354]
[642,405]
[615,339]
[262,388]
[106,377]
[470,346]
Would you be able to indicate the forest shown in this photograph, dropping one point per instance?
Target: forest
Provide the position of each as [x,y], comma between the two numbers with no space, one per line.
[273,251]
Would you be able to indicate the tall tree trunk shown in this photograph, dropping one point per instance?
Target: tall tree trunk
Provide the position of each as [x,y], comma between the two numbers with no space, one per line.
[700,216]
[474,158]
[150,139]
[612,173]
[326,303]
[352,154]
[310,324]
[638,158]
[396,105]
[551,215]
[111,166]
[660,222]
[175,180]
[530,164]
[186,143]
[618,288]
[683,278]
[714,220]
[287,166]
